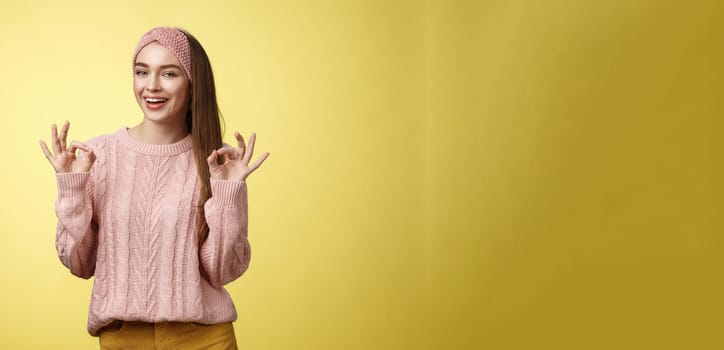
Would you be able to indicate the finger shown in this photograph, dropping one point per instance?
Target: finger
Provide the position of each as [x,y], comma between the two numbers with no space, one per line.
[240,142]
[54,139]
[64,134]
[79,145]
[250,151]
[82,145]
[72,150]
[228,153]
[46,151]
[212,159]
[259,161]
[91,156]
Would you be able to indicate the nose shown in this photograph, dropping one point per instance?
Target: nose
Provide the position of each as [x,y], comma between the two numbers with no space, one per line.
[154,83]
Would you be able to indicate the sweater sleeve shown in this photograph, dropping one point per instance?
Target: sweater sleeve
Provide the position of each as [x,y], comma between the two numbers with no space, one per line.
[225,253]
[77,234]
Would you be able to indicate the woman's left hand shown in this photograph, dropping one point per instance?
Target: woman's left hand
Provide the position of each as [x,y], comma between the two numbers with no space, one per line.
[235,165]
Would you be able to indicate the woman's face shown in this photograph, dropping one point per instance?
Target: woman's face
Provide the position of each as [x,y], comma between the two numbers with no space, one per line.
[160,85]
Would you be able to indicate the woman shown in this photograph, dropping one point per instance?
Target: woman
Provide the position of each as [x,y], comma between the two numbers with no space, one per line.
[158,213]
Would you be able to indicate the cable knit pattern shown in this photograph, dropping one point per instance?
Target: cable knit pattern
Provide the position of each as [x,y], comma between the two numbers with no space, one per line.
[130,222]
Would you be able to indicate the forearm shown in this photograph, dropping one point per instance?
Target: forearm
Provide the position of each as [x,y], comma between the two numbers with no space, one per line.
[76,234]
[225,254]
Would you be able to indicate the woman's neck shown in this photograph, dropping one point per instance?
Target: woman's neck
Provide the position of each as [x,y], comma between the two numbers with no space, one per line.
[158,134]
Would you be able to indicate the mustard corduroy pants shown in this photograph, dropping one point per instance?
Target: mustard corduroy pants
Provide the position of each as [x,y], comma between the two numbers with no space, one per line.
[167,335]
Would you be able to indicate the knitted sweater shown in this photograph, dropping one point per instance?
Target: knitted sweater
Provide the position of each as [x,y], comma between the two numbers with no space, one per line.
[130,222]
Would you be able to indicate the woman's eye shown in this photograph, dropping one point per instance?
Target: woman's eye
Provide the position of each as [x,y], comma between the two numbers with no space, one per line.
[169,74]
[140,72]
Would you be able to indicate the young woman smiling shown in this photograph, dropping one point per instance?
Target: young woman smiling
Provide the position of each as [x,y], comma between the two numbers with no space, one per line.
[157,213]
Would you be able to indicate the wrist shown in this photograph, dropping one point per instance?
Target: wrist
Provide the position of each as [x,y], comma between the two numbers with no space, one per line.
[72,184]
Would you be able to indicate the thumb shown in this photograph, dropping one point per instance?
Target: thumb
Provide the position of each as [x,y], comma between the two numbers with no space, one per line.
[91,156]
[212,160]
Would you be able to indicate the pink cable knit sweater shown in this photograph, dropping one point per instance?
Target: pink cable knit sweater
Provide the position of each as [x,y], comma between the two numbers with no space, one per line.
[130,221]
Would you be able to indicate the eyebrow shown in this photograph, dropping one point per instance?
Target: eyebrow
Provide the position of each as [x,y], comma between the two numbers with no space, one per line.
[162,67]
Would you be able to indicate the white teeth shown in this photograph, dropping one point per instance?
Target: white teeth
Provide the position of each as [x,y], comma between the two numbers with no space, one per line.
[156,99]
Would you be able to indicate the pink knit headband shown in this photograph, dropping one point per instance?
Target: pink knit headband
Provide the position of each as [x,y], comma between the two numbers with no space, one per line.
[172,39]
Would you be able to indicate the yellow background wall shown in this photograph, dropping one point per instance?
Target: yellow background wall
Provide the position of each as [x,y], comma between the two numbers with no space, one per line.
[443,174]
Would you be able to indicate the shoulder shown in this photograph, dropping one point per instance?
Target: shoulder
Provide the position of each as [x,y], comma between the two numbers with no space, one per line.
[102,146]
[100,141]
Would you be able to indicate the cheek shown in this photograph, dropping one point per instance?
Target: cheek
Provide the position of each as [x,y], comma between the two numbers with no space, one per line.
[179,91]
[137,87]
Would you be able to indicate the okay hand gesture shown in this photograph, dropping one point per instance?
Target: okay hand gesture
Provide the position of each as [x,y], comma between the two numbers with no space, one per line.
[64,159]
[235,164]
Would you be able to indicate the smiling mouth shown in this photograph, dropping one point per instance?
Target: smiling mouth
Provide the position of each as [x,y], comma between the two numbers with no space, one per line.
[155,99]
[155,102]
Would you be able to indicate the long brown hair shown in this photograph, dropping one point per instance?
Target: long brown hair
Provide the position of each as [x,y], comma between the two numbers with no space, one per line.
[203,121]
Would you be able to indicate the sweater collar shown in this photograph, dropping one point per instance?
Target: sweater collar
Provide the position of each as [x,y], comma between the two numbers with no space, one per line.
[170,149]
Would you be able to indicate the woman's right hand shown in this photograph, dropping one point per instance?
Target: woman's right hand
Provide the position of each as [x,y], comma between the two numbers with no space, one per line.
[65,160]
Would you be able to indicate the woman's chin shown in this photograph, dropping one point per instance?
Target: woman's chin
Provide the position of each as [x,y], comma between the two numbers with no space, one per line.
[161,118]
